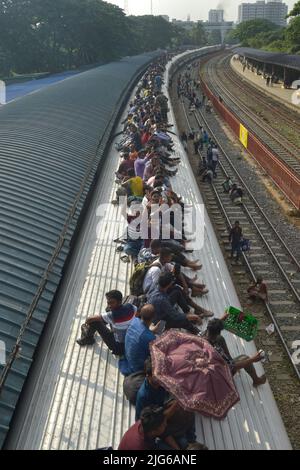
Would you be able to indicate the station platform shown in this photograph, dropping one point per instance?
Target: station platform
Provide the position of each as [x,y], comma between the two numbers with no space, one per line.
[276,90]
[75,399]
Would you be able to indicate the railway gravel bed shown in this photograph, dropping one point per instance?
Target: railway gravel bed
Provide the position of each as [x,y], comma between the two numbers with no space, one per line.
[281,375]
[234,95]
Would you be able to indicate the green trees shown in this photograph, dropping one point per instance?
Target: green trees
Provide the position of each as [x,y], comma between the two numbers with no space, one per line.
[247,30]
[293,30]
[214,37]
[198,35]
[149,33]
[53,35]
[262,34]
[295,11]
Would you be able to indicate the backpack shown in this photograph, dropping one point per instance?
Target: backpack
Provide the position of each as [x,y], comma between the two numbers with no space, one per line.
[245,245]
[138,276]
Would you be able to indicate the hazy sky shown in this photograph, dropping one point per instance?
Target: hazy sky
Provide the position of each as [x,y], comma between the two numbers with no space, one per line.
[198,9]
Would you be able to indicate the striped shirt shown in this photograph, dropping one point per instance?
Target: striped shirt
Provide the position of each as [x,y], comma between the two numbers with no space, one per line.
[119,320]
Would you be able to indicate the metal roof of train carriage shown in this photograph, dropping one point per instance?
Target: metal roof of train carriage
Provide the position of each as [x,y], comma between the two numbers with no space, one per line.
[51,145]
[74,399]
[290,61]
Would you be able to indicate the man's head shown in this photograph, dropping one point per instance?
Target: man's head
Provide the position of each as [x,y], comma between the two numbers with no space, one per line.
[166,280]
[215,327]
[131,173]
[114,299]
[142,153]
[259,280]
[147,314]
[165,255]
[153,421]
[155,197]
[155,247]
[159,181]
[236,223]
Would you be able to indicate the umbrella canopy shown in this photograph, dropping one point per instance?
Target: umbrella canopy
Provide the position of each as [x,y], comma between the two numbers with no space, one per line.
[191,370]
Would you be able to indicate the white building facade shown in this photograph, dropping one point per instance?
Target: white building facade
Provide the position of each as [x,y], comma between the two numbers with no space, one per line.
[272,10]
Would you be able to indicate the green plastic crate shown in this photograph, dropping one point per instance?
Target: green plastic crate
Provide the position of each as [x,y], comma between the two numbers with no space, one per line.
[242,324]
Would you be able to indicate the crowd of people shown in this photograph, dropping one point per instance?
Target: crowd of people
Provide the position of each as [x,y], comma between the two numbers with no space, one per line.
[162,295]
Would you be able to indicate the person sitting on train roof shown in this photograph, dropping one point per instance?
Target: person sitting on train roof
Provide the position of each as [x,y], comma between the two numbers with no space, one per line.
[215,338]
[165,297]
[140,162]
[162,264]
[177,253]
[144,433]
[134,185]
[118,317]
[181,423]
[137,340]
[258,291]
[125,165]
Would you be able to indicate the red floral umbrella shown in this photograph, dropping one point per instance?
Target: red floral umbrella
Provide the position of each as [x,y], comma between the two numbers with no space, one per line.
[191,370]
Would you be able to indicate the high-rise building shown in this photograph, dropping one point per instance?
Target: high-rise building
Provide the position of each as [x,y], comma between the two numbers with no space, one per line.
[272,10]
[216,16]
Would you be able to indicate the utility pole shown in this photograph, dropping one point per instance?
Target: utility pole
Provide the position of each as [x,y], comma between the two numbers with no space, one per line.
[151,6]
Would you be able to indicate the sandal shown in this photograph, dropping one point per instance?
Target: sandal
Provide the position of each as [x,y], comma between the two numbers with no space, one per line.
[125,259]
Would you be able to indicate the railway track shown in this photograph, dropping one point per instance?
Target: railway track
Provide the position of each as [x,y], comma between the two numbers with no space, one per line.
[286,151]
[270,107]
[269,257]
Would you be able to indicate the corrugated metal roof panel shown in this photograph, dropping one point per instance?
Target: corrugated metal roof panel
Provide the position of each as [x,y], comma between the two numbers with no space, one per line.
[77,400]
[51,144]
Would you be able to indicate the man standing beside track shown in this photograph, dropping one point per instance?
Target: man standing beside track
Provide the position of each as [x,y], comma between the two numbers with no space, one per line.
[215,160]
[235,236]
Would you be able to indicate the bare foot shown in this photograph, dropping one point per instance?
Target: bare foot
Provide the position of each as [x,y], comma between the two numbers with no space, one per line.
[198,286]
[260,381]
[193,318]
[196,292]
[196,267]
[207,314]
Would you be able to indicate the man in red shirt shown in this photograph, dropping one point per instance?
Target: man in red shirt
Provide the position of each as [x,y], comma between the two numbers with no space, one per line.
[142,435]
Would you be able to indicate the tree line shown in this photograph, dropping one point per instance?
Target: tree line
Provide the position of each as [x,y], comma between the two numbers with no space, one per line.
[54,35]
[262,34]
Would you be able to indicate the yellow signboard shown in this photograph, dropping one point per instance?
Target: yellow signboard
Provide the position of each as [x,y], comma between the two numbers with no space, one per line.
[244,136]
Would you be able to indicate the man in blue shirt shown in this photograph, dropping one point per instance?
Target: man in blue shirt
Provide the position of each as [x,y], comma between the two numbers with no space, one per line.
[137,340]
[181,423]
[150,393]
[165,311]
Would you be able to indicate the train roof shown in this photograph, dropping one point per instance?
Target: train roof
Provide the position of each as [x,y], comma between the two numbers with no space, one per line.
[51,145]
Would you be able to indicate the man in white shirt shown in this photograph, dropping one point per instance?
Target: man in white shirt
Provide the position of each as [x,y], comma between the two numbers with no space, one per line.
[215,160]
[163,264]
